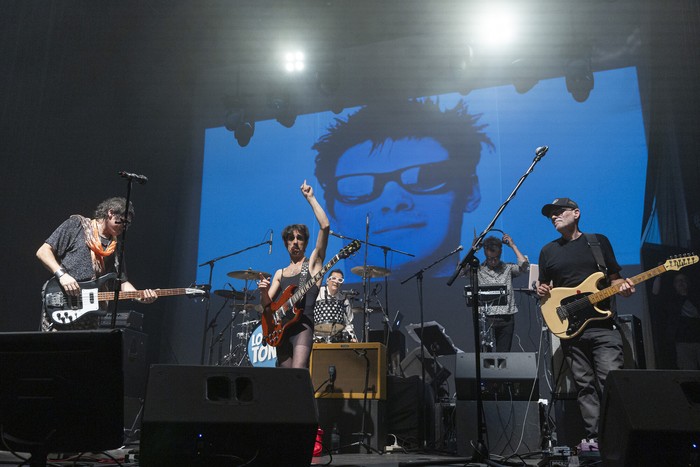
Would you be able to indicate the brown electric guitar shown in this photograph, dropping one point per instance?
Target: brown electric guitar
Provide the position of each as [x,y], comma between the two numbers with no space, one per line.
[567,310]
[284,312]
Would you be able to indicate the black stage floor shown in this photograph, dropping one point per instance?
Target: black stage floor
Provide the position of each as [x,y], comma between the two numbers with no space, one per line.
[129,458]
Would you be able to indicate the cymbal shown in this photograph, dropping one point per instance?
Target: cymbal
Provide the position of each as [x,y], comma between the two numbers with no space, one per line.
[248,274]
[230,294]
[370,271]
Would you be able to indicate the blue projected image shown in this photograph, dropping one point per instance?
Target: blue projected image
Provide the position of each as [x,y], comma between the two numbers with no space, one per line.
[429,176]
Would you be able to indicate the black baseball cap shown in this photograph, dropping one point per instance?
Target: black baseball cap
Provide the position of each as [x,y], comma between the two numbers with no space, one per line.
[558,203]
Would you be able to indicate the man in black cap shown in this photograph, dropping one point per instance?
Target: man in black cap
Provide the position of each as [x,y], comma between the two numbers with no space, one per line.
[597,349]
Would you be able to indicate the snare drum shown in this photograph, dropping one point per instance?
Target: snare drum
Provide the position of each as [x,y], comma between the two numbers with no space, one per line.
[260,354]
[329,317]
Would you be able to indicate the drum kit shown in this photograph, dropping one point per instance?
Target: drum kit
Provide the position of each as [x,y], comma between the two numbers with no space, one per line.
[329,321]
[245,343]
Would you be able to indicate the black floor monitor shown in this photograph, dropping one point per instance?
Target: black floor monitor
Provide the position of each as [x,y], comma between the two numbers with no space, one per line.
[61,392]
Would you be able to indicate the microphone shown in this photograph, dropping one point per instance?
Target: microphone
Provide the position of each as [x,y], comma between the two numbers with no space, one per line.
[139,178]
[351,292]
[459,248]
[541,151]
[269,251]
[376,290]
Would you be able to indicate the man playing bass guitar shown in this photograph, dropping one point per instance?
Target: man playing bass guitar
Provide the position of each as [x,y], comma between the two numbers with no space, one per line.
[83,249]
[597,349]
[294,349]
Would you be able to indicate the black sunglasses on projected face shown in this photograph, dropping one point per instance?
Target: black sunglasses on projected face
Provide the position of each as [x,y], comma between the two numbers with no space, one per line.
[421,179]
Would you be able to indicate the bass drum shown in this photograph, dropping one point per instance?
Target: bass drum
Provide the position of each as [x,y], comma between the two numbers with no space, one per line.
[260,354]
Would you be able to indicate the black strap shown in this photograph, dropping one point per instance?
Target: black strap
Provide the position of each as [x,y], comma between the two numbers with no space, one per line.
[597,251]
[304,272]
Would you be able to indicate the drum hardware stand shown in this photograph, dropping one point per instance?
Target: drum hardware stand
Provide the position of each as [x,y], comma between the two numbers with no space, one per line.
[419,279]
[211,264]
[481,452]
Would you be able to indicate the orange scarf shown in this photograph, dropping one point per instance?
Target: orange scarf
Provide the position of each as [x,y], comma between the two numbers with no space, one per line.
[92,240]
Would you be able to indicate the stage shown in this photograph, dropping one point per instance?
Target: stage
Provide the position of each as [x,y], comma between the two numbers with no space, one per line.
[130,458]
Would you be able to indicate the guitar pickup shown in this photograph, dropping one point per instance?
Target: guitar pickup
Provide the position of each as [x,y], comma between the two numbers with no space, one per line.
[55,300]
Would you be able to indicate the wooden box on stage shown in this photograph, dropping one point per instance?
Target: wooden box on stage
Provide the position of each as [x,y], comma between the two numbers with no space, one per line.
[350,369]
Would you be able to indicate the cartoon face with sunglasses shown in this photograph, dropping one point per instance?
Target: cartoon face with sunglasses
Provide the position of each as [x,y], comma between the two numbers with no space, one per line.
[411,169]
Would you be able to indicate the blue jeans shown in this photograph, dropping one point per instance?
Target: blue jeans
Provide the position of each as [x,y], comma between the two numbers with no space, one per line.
[591,356]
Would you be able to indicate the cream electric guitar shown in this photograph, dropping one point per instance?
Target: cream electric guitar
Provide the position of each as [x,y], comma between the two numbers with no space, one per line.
[567,310]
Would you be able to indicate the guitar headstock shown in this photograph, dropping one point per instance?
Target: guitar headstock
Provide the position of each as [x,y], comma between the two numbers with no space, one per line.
[674,263]
[350,249]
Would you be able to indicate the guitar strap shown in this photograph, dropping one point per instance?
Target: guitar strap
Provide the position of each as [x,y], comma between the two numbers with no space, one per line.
[594,243]
[304,274]
[597,251]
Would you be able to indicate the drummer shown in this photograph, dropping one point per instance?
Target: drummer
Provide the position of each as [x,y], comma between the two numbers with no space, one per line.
[333,308]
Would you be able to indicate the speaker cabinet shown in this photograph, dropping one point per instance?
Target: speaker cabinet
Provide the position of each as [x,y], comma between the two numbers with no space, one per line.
[222,416]
[504,376]
[651,418]
[350,361]
[506,422]
[632,341]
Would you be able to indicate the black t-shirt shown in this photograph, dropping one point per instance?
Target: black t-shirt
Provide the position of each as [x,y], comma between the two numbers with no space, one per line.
[568,263]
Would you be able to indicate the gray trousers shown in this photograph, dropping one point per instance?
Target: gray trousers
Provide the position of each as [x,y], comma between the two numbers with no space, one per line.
[592,355]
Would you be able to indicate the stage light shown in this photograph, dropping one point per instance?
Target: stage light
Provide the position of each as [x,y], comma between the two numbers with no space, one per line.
[241,125]
[496,27]
[524,75]
[579,78]
[294,62]
[283,110]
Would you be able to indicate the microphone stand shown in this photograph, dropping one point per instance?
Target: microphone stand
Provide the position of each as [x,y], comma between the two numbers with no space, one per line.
[419,278]
[211,263]
[481,453]
[121,246]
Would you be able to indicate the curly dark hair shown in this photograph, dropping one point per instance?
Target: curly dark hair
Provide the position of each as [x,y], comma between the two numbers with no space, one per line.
[301,228]
[117,205]
[454,129]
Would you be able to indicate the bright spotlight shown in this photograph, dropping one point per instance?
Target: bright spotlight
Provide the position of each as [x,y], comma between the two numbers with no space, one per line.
[496,27]
[294,62]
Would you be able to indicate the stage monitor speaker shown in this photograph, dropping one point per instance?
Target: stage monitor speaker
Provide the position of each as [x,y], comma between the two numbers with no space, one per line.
[61,392]
[223,416]
[506,422]
[350,365]
[651,418]
[505,376]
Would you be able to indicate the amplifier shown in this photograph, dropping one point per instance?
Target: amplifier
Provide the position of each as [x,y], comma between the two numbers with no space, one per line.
[125,319]
[353,363]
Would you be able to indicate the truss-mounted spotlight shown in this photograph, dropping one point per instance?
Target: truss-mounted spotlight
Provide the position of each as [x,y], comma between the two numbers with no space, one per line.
[524,75]
[241,125]
[579,78]
[283,110]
